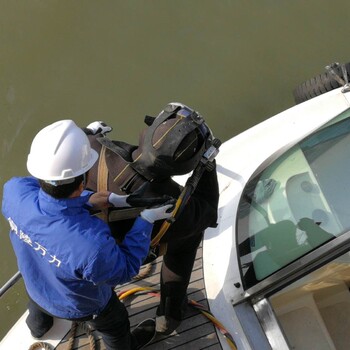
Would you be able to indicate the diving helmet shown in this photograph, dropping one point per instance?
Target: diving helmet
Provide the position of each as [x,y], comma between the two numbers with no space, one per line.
[172,144]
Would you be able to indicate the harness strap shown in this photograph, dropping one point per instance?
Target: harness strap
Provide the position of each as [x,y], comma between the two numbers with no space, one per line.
[124,214]
[114,147]
[102,185]
[102,179]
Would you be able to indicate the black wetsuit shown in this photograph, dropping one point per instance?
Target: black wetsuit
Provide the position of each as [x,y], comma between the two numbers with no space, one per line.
[183,236]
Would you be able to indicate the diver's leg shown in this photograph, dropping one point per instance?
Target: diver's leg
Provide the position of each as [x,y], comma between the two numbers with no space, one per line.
[175,276]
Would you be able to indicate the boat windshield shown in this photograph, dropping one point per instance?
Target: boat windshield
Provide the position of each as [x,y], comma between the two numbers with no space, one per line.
[297,203]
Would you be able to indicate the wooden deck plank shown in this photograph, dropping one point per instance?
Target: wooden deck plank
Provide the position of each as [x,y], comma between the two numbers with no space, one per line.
[196,332]
[190,338]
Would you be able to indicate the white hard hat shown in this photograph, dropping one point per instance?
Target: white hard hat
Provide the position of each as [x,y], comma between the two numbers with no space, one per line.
[59,152]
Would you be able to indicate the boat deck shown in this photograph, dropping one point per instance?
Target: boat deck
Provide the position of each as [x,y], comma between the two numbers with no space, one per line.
[196,331]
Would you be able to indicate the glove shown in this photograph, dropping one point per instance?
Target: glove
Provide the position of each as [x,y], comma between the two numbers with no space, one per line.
[158,213]
[137,199]
[140,198]
[118,201]
[99,127]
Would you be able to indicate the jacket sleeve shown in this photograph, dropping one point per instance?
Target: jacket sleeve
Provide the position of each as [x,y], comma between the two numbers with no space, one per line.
[114,264]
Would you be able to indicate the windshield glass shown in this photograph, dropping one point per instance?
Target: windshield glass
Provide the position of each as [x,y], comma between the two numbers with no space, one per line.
[297,203]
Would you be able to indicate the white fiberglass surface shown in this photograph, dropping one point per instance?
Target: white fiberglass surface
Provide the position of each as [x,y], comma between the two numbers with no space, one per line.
[322,300]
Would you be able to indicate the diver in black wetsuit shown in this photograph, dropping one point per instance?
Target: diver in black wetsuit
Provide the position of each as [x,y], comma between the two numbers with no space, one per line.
[172,144]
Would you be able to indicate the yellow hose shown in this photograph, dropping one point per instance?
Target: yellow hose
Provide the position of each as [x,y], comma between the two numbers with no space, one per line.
[166,224]
[229,339]
[123,295]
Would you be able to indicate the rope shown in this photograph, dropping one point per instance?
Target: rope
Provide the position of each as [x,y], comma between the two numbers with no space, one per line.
[205,312]
[90,337]
[86,329]
[143,273]
[73,331]
[40,345]
[72,334]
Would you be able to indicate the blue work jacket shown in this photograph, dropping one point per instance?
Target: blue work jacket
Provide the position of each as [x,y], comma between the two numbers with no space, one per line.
[68,259]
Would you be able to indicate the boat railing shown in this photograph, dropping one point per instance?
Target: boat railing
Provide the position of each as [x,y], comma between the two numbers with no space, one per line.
[12,281]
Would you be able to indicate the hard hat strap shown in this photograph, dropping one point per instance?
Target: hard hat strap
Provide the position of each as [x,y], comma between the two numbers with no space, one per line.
[60,182]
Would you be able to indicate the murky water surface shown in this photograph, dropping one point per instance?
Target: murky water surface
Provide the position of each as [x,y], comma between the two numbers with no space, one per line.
[236,62]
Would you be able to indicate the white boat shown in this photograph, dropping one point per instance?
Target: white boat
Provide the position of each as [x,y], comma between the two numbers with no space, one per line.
[277,267]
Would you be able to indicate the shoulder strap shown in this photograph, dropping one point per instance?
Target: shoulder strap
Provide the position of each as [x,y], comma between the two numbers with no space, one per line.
[121,148]
[102,178]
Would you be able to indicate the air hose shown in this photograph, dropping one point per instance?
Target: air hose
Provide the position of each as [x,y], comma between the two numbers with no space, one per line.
[205,312]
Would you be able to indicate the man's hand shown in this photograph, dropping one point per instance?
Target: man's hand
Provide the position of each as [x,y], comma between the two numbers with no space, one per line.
[99,200]
[142,198]
[160,212]
[137,199]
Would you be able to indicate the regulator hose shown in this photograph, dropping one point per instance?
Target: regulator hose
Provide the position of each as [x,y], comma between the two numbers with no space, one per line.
[205,312]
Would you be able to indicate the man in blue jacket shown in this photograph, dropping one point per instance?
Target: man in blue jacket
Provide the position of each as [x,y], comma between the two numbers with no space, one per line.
[68,259]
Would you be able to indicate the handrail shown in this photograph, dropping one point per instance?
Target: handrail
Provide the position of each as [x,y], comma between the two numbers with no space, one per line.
[10,283]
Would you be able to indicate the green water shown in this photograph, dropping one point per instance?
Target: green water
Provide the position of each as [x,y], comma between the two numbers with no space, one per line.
[236,62]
